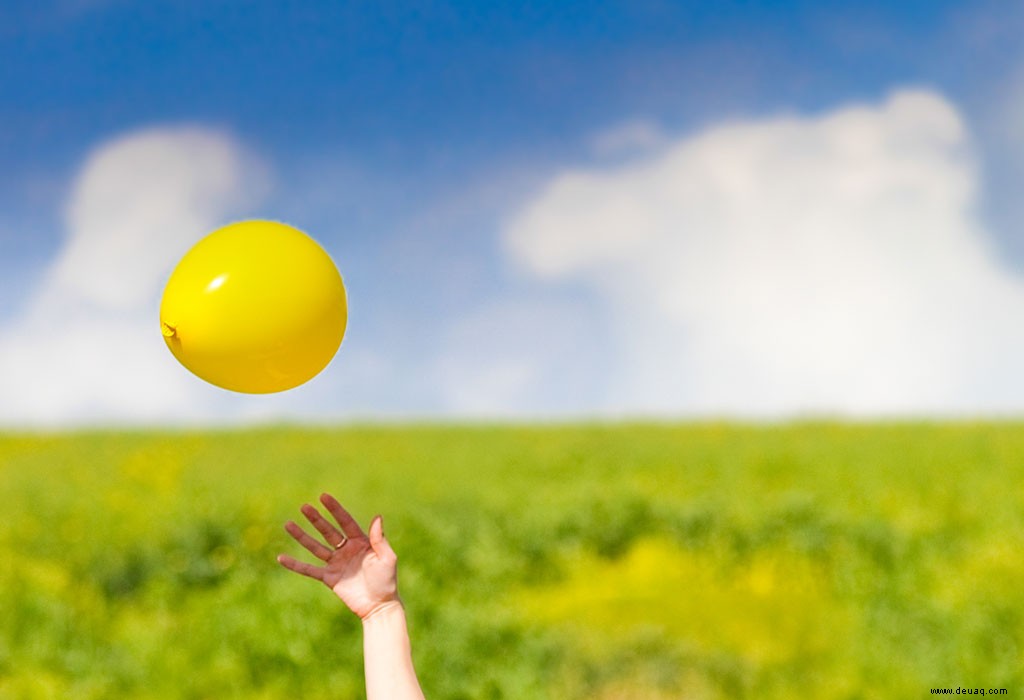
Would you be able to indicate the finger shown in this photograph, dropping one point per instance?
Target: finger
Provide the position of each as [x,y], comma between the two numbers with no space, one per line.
[348,524]
[301,567]
[380,544]
[330,533]
[315,548]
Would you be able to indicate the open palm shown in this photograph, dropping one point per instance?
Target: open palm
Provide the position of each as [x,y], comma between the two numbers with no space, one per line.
[361,569]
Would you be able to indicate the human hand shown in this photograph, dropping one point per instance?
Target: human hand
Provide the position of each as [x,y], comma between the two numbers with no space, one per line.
[360,569]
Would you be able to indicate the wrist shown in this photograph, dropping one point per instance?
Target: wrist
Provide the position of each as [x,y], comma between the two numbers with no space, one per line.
[386,609]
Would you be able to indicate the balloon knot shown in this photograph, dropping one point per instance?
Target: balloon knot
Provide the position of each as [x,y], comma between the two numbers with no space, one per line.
[168,330]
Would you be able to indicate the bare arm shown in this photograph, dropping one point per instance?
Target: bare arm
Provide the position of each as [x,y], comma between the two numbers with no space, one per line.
[388,658]
[362,571]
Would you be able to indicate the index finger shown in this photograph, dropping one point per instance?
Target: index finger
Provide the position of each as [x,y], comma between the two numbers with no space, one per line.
[348,524]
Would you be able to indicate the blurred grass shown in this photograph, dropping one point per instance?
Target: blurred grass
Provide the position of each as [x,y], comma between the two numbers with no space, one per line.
[604,561]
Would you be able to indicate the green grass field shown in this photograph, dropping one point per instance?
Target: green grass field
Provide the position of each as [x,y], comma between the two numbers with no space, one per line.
[631,561]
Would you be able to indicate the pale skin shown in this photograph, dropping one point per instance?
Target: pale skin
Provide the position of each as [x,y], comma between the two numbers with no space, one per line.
[361,569]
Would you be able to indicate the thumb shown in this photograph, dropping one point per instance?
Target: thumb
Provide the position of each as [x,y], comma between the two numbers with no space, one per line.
[380,544]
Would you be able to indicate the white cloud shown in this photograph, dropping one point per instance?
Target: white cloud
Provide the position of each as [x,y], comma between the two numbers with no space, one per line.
[137,205]
[628,138]
[515,357]
[792,265]
[87,347]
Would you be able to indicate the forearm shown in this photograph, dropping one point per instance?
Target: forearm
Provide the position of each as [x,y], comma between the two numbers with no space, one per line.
[388,656]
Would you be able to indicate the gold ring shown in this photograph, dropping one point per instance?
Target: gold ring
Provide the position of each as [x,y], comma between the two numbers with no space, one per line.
[341,544]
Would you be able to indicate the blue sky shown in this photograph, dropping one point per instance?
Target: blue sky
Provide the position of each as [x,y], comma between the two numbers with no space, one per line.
[403,85]
[423,144]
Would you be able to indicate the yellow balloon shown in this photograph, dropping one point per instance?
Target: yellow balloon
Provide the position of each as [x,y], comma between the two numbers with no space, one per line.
[255,307]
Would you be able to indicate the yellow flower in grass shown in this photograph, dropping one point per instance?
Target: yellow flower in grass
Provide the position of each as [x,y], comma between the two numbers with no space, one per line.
[773,608]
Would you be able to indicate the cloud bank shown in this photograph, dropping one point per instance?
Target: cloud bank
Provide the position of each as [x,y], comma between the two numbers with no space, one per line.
[785,266]
[829,264]
[86,348]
